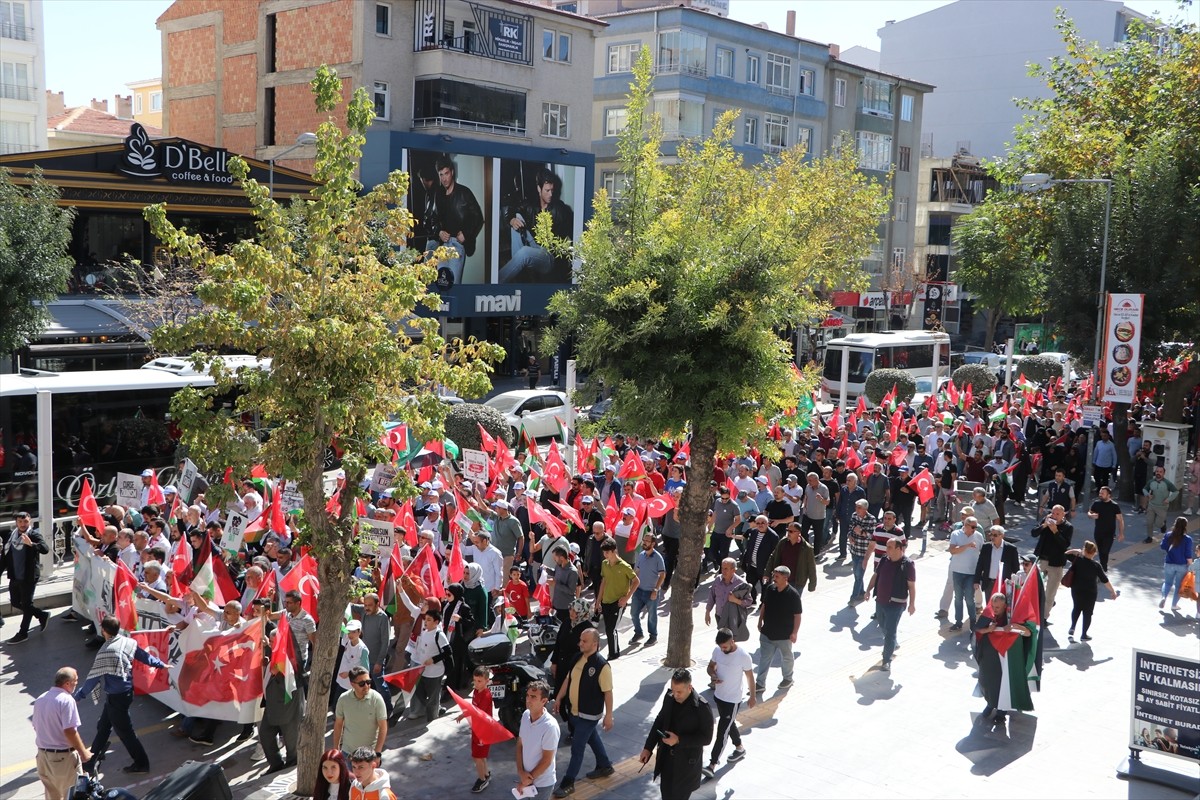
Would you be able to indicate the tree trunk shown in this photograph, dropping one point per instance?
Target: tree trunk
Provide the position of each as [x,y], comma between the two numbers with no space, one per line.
[693,517]
[334,550]
[1174,393]
[1124,460]
[993,319]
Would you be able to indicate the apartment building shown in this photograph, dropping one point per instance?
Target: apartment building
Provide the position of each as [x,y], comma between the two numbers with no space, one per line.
[22,76]
[146,102]
[496,93]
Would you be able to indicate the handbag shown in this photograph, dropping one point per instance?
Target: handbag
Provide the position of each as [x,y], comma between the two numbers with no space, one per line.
[1069,576]
[1188,587]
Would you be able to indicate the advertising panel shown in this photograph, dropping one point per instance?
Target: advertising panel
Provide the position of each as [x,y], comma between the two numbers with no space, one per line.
[450,200]
[1121,351]
[1166,705]
[527,188]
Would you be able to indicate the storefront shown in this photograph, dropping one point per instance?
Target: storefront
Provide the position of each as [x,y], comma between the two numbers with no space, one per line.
[109,186]
[499,286]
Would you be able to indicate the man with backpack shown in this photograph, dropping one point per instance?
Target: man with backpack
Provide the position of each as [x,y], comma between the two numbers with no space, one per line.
[895,586]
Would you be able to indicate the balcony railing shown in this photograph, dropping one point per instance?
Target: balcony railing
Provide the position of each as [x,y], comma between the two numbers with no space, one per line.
[780,91]
[10,30]
[681,69]
[16,91]
[13,147]
[465,124]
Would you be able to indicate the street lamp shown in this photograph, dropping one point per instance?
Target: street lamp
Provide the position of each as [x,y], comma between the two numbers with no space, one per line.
[1034,182]
[303,140]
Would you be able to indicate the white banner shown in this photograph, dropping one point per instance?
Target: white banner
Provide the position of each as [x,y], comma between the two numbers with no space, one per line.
[92,583]
[375,536]
[129,491]
[291,497]
[187,478]
[235,532]
[382,477]
[1121,353]
[475,464]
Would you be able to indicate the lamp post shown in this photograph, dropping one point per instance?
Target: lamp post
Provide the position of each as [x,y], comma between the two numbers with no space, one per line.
[1034,182]
[303,140]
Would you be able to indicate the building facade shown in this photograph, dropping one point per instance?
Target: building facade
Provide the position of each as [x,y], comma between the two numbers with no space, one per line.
[22,77]
[146,102]
[493,98]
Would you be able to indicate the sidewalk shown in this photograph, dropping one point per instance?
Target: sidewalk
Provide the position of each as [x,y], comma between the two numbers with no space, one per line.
[847,729]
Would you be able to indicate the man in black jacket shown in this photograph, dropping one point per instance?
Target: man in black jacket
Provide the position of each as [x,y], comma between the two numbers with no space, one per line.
[1054,539]
[22,549]
[460,220]
[756,552]
[681,731]
[998,559]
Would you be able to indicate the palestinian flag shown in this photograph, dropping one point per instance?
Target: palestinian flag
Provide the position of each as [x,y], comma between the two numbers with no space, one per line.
[406,681]
[205,582]
[282,655]
[991,398]
[1023,383]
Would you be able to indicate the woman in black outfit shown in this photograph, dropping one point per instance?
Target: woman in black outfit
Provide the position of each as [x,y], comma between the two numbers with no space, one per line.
[567,652]
[459,624]
[1087,575]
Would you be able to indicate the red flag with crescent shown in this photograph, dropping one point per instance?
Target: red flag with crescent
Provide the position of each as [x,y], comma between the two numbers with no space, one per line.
[147,679]
[89,511]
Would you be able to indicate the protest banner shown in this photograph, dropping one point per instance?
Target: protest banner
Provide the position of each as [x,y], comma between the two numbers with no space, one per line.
[235,532]
[129,490]
[475,464]
[375,536]
[382,477]
[187,480]
[290,497]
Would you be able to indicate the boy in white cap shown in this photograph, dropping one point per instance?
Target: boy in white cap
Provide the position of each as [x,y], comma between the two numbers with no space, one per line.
[354,654]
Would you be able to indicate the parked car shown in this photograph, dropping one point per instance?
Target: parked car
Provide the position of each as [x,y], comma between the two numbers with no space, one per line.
[536,409]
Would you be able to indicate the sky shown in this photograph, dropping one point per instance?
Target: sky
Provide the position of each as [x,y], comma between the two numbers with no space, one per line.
[95,47]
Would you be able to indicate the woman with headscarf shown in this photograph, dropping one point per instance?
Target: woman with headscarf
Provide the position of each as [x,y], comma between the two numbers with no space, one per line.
[476,596]
[567,651]
[1001,648]
[459,624]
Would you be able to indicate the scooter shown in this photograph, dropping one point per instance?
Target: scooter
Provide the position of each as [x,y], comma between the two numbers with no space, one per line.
[510,675]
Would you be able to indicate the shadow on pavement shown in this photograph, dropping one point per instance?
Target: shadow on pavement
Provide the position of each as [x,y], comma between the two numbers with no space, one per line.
[875,684]
[990,747]
[1078,656]
[954,651]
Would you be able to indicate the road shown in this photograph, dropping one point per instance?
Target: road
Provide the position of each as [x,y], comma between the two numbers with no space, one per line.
[846,729]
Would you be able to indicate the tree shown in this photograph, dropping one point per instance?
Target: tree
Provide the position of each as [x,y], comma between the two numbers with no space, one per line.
[315,298]
[684,283]
[1041,368]
[34,265]
[882,381]
[151,297]
[999,260]
[979,377]
[464,419]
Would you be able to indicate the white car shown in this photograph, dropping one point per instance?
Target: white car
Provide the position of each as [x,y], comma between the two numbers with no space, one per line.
[536,409]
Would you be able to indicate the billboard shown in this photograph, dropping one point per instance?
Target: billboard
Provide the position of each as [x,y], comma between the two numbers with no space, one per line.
[485,209]
[1166,705]
[1121,351]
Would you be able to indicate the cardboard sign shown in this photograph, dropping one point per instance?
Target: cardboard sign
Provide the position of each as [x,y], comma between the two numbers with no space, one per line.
[187,478]
[129,490]
[475,464]
[235,532]
[1092,416]
[382,477]
[375,536]
[290,497]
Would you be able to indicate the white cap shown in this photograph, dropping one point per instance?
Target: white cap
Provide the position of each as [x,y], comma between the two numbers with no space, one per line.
[628,511]
[353,625]
[147,473]
[518,486]
[500,504]
[341,473]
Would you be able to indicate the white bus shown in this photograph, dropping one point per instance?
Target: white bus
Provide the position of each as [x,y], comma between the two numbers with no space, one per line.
[861,353]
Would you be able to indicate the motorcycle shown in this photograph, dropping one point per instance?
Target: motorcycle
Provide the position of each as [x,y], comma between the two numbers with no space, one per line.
[88,788]
[510,675]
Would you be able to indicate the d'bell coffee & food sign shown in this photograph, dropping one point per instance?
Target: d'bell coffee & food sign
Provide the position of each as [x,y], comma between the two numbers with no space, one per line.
[177,161]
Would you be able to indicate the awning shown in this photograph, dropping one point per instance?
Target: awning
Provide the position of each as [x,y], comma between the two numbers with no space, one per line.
[91,318]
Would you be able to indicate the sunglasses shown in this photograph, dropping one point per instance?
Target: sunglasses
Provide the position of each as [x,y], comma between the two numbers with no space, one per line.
[361,683]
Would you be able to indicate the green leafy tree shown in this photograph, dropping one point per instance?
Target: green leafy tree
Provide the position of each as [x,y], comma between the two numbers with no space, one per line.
[1127,113]
[312,295]
[1041,368]
[464,419]
[684,284]
[34,265]
[881,381]
[979,377]
[999,261]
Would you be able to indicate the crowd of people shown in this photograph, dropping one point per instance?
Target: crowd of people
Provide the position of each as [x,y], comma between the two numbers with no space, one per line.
[863,490]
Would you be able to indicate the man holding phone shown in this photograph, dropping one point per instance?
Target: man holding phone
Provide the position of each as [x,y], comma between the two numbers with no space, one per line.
[681,731]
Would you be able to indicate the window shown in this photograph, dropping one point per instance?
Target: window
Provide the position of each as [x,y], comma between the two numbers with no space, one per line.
[270,43]
[383,19]
[724,65]
[861,362]
[804,139]
[939,229]
[155,101]
[680,117]
[621,57]
[269,116]
[554,120]
[570,8]
[901,209]
[445,102]
[779,74]
[903,158]
[751,69]
[839,92]
[383,100]
[808,82]
[556,46]
[877,97]
[906,107]
[137,102]
[682,51]
[15,137]
[777,131]
[15,82]
[898,256]
[615,120]
[12,20]
[615,184]
[751,136]
[874,150]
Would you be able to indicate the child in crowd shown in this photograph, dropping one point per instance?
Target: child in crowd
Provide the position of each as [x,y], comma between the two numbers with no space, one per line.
[516,594]
[370,782]
[481,698]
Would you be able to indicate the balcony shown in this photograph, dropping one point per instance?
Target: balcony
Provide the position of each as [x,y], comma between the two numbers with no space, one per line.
[779,91]
[16,91]
[470,125]
[11,30]
[12,147]
[695,70]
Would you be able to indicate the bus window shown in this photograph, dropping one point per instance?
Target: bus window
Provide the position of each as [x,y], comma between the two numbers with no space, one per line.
[883,358]
[833,364]
[914,356]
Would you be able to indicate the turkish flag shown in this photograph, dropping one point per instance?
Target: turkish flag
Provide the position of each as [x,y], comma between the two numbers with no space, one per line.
[89,511]
[407,522]
[395,439]
[554,526]
[155,495]
[147,679]
[425,567]
[861,407]
[457,566]
[922,484]
[835,424]
[278,520]
[405,679]
[899,454]
[632,467]
[612,512]
[486,729]
[556,476]
[124,604]
[488,441]
[259,471]
[852,459]
[264,592]
[569,514]
[303,579]
[583,452]
[228,668]
[659,505]
[870,466]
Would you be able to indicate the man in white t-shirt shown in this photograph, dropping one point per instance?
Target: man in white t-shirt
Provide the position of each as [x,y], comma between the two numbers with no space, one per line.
[728,668]
[537,743]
